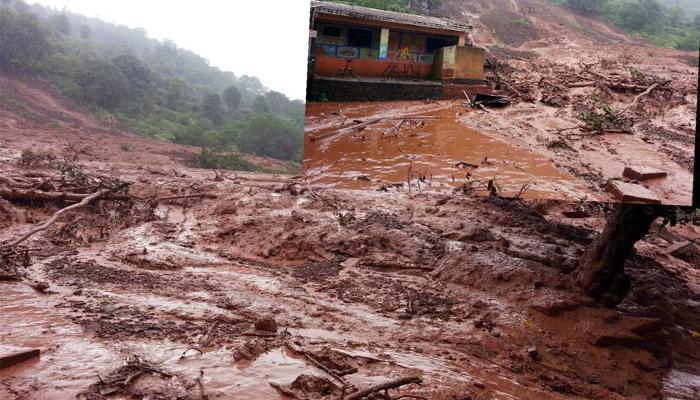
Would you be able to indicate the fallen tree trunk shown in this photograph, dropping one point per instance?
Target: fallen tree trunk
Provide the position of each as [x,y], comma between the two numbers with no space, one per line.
[347,130]
[384,386]
[611,85]
[11,194]
[85,201]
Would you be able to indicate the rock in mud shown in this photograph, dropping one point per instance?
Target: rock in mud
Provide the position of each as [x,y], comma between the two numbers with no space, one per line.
[479,235]
[686,251]
[534,354]
[553,307]
[39,286]
[266,325]
[618,339]
[631,193]
[641,173]
[576,214]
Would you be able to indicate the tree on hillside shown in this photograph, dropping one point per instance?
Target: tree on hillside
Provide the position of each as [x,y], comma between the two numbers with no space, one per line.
[139,76]
[277,102]
[601,272]
[586,6]
[23,42]
[637,15]
[211,108]
[60,23]
[178,92]
[676,16]
[391,5]
[85,32]
[274,137]
[260,105]
[232,97]
[101,82]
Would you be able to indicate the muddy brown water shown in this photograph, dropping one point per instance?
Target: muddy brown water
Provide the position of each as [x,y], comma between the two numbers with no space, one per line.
[430,149]
[71,361]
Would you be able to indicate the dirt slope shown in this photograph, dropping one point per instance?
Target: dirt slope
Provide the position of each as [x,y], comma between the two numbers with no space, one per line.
[175,298]
[495,22]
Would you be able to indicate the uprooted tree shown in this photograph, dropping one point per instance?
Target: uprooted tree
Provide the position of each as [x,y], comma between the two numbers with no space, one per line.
[601,272]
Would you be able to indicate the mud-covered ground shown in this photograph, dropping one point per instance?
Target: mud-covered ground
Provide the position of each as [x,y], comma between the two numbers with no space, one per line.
[542,140]
[580,115]
[257,286]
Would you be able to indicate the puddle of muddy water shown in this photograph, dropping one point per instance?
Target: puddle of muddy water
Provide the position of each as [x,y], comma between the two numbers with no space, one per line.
[679,385]
[431,149]
[69,362]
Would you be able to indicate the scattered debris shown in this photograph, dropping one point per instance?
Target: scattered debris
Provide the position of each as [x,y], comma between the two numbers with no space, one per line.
[365,393]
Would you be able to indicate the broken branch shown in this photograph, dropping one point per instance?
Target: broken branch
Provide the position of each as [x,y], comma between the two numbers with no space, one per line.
[639,96]
[87,200]
[31,195]
[384,386]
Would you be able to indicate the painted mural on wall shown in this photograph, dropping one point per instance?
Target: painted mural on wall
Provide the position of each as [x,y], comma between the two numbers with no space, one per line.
[348,52]
[385,44]
[332,35]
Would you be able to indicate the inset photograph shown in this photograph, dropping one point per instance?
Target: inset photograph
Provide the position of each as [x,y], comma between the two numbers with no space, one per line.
[544,101]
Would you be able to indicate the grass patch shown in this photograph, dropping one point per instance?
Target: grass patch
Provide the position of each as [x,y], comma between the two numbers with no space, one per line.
[211,159]
[521,22]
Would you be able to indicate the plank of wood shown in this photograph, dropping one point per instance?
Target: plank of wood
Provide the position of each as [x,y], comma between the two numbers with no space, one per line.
[11,359]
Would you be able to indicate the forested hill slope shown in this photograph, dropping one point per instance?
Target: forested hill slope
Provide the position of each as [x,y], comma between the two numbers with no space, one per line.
[156,88]
[690,8]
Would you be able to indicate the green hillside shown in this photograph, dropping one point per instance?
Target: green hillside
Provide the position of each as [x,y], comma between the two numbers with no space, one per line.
[157,88]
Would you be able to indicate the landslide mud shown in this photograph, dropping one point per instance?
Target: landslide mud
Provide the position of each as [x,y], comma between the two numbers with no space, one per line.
[262,284]
[452,288]
[430,149]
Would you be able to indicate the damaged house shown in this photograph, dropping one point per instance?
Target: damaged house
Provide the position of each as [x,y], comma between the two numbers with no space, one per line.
[359,53]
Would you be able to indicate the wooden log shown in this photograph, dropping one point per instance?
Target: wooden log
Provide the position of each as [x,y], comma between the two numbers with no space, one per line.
[12,194]
[384,386]
[9,360]
[347,130]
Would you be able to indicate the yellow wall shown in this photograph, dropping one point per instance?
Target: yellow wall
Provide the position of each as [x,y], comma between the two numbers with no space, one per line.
[459,63]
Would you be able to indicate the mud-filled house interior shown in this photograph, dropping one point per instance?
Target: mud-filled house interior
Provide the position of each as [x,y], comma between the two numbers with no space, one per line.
[359,53]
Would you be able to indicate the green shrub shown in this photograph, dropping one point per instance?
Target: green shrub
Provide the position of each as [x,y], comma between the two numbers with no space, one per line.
[211,159]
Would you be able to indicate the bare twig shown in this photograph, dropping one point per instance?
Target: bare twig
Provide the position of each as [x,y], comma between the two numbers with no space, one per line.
[317,363]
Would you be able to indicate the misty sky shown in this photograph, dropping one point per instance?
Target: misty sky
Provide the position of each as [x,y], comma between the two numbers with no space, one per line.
[264,38]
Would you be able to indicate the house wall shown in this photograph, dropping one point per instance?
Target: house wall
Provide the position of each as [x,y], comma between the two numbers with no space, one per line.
[330,66]
[333,53]
[460,64]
